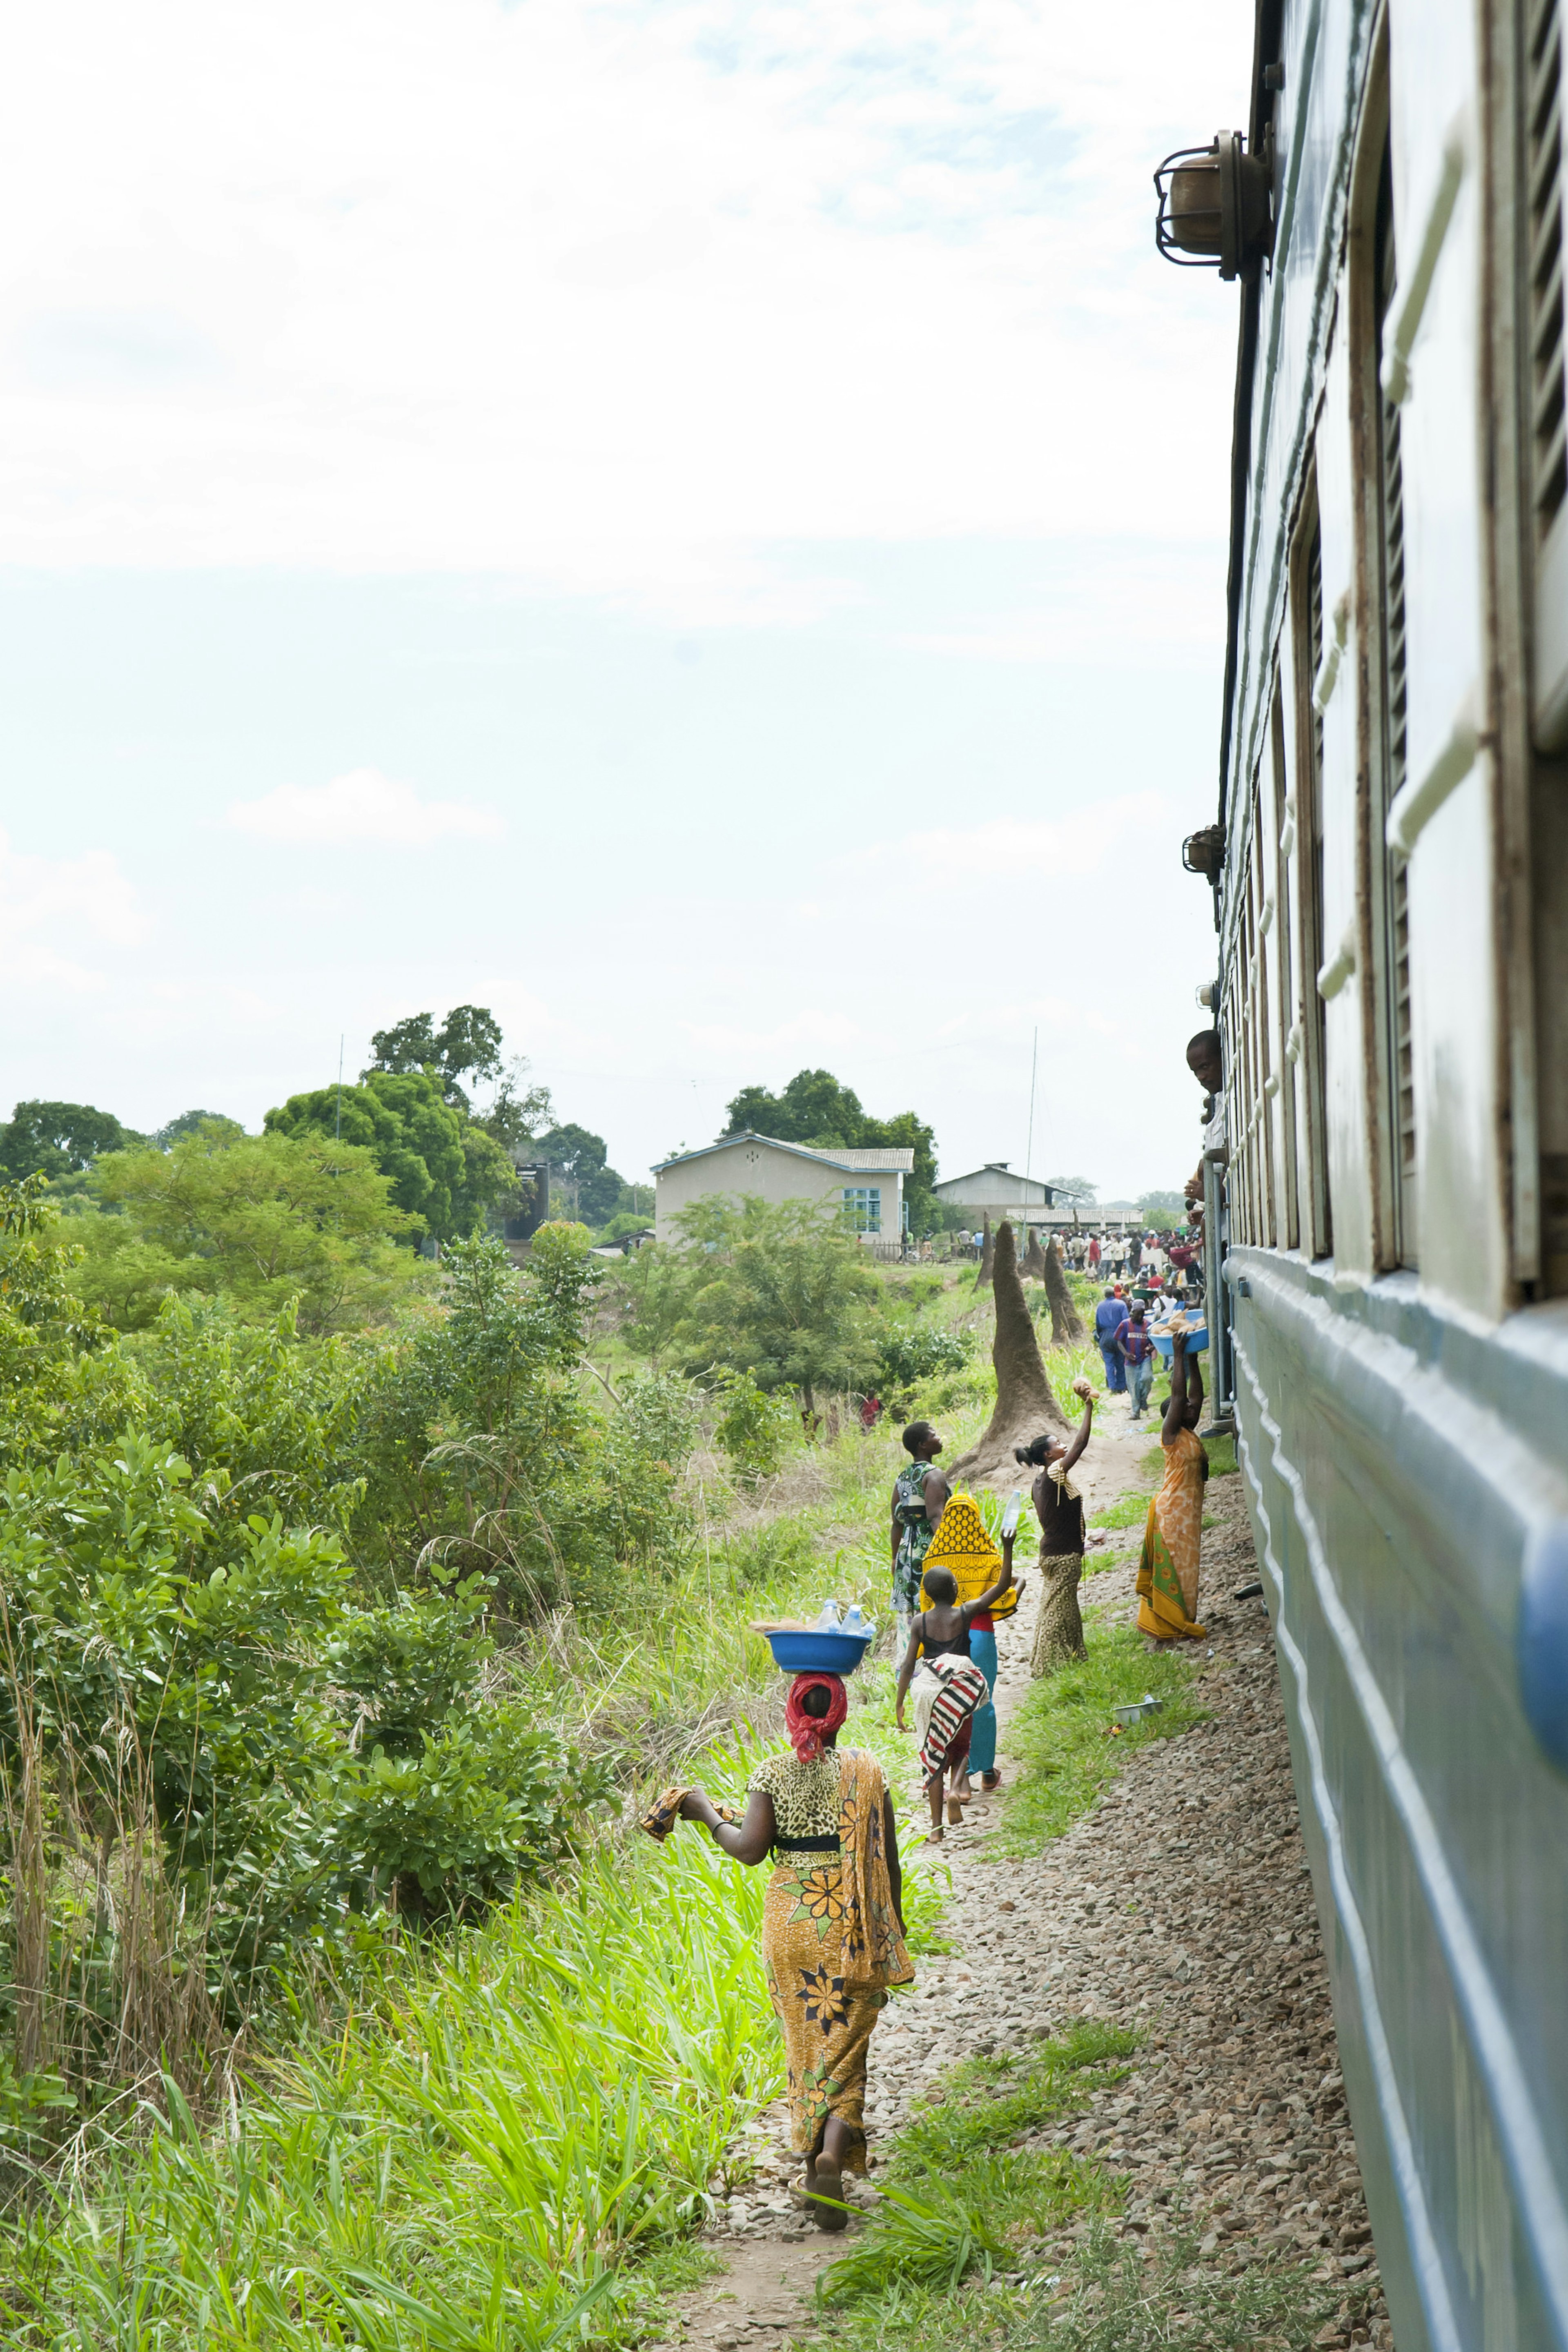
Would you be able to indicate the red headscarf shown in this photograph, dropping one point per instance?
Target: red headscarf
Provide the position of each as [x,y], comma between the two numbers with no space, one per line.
[808,1732]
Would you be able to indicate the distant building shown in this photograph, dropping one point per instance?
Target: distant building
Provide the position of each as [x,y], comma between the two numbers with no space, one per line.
[865,1185]
[995,1192]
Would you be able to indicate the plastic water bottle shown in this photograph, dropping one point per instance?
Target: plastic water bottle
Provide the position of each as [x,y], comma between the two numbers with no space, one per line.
[1010,1516]
[857,1621]
[828,1621]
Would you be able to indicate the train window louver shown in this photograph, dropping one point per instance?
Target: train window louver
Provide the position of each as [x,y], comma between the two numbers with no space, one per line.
[1395,875]
[1546,386]
[1549,417]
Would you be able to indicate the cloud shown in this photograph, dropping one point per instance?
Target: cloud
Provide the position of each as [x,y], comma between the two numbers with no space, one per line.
[363,805]
[607,296]
[47,905]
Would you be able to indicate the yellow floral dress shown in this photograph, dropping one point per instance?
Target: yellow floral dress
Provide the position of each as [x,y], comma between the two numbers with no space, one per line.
[1168,1571]
[831,1942]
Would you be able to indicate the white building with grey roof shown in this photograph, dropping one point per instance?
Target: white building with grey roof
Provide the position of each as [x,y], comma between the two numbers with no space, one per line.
[866,1184]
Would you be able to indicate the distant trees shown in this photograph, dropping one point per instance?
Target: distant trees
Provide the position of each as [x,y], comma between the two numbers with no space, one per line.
[1161,1211]
[59,1138]
[817,1108]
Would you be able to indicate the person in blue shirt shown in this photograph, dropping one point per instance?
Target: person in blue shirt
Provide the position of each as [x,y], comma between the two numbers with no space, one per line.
[1108,1317]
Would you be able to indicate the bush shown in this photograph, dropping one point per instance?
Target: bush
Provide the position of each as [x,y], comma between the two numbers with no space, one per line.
[912,1352]
[752,1426]
[411,1665]
[492,1797]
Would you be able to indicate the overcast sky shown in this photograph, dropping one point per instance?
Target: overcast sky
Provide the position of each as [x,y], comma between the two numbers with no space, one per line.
[699,527]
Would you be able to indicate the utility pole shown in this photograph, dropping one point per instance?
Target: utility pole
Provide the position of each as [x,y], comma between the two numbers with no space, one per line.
[1034,1072]
[337,1127]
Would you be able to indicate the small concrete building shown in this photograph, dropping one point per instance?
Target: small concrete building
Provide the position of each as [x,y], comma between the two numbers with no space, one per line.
[866,1185]
[995,1192]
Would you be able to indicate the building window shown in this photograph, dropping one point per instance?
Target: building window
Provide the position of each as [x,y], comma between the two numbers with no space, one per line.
[863,1207]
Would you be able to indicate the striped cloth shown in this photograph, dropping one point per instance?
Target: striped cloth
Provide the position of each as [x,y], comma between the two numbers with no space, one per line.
[947,1692]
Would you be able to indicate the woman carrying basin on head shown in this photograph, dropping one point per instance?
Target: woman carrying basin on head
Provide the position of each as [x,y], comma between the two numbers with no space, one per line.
[833,1928]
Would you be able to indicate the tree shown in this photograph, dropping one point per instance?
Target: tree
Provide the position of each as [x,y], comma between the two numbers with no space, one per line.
[1025,1401]
[445,1172]
[817,1108]
[517,1112]
[782,1292]
[59,1138]
[593,1188]
[191,1122]
[1161,1211]
[1074,1190]
[467,1044]
[260,1219]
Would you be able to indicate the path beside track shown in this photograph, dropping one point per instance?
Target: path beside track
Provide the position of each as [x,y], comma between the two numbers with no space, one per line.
[1180,1906]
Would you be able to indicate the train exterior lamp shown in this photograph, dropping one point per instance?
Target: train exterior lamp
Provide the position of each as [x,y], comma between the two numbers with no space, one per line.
[1214,206]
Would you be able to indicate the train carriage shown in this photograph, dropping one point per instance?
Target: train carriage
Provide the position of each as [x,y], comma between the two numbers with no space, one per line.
[1387,1204]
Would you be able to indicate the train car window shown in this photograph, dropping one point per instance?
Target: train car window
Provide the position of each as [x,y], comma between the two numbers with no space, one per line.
[1307,852]
[1391,876]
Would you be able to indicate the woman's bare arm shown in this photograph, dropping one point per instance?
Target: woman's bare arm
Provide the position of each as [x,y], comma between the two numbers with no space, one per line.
[1079,1438]
[937,1492]
[1175,1416]
[749,1840]
[907,1671]
[1002,1585]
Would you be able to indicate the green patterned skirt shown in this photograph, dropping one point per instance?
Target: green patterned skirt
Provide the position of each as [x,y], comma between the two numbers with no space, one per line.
[826,2029]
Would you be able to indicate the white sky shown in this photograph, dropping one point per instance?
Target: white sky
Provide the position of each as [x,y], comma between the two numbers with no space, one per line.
[701,527]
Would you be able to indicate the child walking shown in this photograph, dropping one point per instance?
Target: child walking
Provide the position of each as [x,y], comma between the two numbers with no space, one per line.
[949,1688]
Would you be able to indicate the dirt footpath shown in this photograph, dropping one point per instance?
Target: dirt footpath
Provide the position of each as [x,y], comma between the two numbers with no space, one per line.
[1181,1907]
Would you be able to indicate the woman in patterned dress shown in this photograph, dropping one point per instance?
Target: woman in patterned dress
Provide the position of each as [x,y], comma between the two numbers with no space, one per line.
[833,1928]
[920,1497]
[1168,1571]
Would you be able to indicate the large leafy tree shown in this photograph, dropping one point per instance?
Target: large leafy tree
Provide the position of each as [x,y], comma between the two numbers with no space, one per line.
[817,1108]
[443,1173]
[781,1292]
[467,1045]
[59,1138]
[258,1219]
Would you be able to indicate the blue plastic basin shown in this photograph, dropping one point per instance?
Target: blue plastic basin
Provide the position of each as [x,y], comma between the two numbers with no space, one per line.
[1197,1341]
[817,1654]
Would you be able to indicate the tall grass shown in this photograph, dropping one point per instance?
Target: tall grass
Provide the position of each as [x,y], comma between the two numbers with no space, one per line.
[499,2140]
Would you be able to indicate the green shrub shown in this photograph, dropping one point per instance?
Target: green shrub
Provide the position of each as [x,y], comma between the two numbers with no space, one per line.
[754,1426]
[490,1798]
[912,1352]
[410,1664]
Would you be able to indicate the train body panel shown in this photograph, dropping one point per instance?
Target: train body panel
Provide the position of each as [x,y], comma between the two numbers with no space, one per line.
[1388,1221]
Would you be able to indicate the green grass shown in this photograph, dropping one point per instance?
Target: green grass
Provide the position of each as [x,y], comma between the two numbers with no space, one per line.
[1119,2299]
[1063,1736]
[987,2103]
[961,2196]
[1128,1511]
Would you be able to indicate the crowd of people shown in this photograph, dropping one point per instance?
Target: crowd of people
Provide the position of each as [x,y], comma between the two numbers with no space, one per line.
[833,1934]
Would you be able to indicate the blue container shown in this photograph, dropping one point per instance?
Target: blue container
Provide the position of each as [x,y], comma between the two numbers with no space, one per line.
[1197,1341]
[803,1652]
